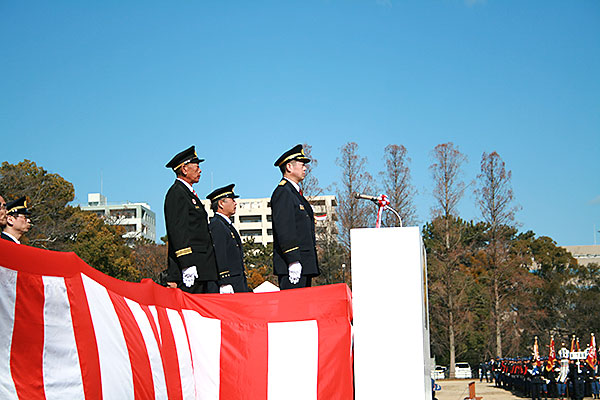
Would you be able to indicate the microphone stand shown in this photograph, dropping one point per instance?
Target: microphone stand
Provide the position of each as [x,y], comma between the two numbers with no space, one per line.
[382,203]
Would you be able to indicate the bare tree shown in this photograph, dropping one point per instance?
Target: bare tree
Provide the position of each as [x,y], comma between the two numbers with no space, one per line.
[352,212]
[446,249]
[495,199]
[397,186]
[310,184]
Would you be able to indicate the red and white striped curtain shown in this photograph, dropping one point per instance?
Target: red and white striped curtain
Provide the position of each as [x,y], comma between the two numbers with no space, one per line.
[68,331]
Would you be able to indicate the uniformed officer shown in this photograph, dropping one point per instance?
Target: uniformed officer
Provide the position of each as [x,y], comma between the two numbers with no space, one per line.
[227,241]
[17,220]
[2,213]
[190,249]
[294,253]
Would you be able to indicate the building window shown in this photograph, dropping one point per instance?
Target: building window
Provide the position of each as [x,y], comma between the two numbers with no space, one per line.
[270,232]
[129,228]
[250,232]
[123,213]
[250,218]
[269,218]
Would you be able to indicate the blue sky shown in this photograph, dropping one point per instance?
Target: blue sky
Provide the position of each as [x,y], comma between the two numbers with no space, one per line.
[116,88]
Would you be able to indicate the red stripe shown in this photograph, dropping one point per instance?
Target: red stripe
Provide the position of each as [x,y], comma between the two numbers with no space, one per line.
[243,360]
[150,317]
[85,338]
[334,355]
[168,352]
[26,353]
[143,387]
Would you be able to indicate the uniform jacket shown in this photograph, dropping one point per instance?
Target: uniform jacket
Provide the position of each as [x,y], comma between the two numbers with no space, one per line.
[293,231]
[229,254]
[189,242]
[6,237]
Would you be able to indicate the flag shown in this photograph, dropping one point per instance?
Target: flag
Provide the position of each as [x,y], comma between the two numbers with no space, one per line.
[321,217]
[592,358]
[536,352]
[68,331]
[572,345]
[551,355]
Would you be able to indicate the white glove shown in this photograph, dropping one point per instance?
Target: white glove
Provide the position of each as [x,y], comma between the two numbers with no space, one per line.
[226,289]
[294,272]
[189,275]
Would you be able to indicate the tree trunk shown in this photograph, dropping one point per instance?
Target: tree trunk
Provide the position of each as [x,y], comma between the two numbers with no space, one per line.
[497,320]
[451,344]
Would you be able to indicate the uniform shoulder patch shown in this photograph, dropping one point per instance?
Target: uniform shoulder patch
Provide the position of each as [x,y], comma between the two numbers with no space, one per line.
[283,182]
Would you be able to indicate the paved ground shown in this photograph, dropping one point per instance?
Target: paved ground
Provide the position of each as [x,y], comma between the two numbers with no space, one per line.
[458,389]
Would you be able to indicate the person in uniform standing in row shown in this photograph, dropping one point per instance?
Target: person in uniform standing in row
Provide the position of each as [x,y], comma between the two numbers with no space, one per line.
[190,249]
[227,241]
[17,220]
[294,245]
[3,213]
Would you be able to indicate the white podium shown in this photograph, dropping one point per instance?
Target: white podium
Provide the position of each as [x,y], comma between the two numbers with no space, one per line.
[391,322]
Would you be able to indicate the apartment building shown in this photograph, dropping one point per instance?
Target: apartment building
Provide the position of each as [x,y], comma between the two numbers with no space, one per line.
[253,217]
[138,219]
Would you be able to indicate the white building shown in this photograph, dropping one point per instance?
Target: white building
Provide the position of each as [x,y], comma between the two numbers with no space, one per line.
[585,254]
[138,219]
[253,217]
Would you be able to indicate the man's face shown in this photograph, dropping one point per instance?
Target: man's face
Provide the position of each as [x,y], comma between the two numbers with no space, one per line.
[228,206]
[191,172]
[296,170]
[21,223]
[2,212]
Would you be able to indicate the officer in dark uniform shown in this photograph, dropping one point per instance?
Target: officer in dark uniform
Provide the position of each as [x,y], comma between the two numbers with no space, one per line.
[17,220]
[190,249]
[227,241]
[294,254]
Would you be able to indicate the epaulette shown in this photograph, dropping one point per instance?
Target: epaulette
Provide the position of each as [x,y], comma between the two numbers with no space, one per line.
[283,181]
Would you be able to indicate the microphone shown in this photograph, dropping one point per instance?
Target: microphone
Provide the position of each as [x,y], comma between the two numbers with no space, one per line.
[366,197]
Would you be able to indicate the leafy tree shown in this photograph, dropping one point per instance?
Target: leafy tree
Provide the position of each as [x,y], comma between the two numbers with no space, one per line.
[58,226]
[258,260]
[48,197]
[150,259]
[331,258]
[103,247]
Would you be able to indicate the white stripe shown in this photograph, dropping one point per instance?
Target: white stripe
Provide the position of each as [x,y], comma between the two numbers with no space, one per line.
[186,372]
[62,373]
[155,316]
[205,342]
[293,354]
[115,366]
[158,373]
[8,296]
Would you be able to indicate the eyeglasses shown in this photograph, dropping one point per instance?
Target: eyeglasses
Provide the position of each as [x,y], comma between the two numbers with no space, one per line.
[2,206]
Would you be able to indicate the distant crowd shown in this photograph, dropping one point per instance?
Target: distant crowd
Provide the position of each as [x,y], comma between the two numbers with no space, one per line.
[557,378]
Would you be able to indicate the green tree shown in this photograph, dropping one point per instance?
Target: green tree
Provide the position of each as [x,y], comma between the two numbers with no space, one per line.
[48,197]
[258,261]
[59,226]
[150,259]
[103,247]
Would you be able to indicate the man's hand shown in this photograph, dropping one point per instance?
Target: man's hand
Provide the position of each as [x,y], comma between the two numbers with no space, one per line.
[226,289]
[189,275]
[172,285]
[294,272]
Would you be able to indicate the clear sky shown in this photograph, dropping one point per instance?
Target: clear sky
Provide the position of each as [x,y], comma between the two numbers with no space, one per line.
[114,89]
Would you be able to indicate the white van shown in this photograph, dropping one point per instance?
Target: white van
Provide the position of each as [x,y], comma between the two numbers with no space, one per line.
[462,370]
